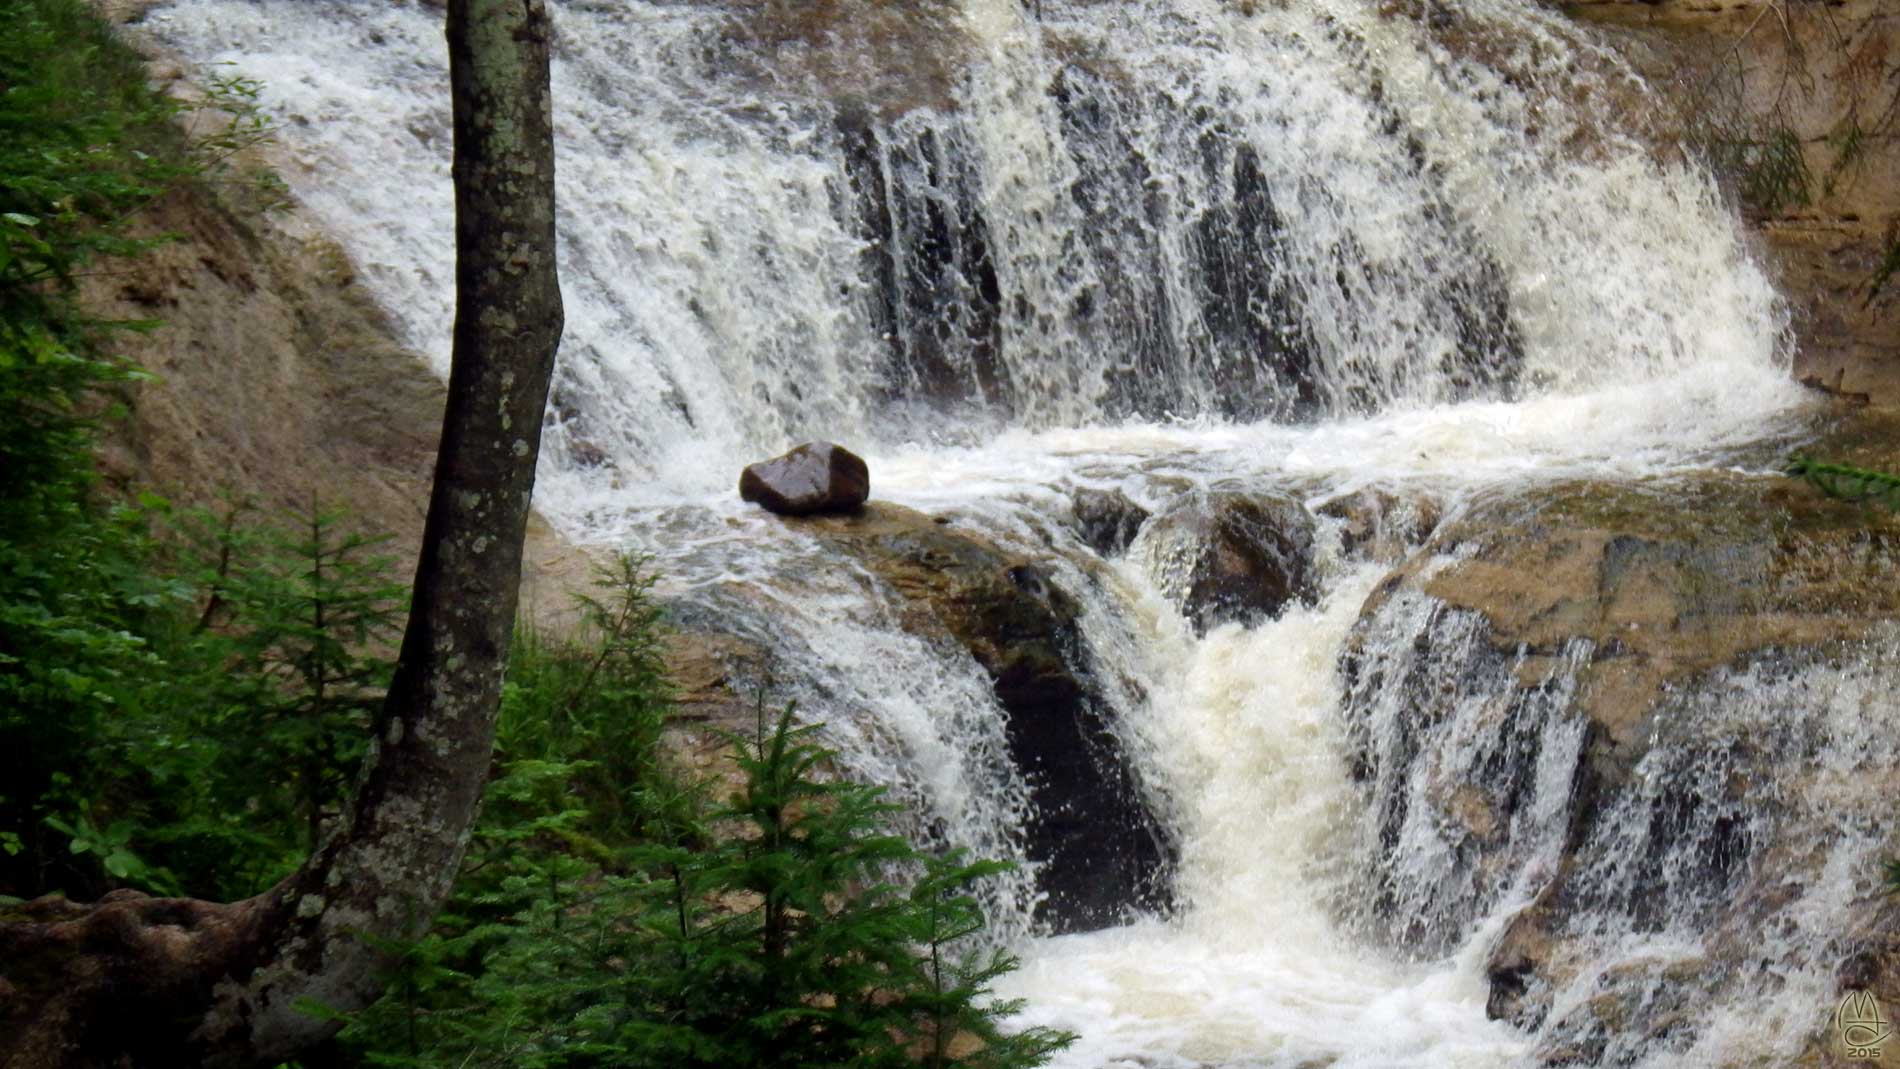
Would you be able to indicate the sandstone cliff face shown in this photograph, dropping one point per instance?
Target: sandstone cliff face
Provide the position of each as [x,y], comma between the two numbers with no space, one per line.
[276,377]
[1802,98]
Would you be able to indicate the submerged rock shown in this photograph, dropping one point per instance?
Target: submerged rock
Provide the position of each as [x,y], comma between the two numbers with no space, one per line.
[1100,852]
[1228,556]
[1381,525]
[1107,520]
[816,477]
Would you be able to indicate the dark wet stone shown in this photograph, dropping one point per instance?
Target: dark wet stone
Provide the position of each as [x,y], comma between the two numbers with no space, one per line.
[1107,520]
[1226,556]
[816,477]
[1100,853]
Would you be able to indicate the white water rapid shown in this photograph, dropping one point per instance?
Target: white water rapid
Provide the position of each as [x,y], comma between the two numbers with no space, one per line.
[1009,251]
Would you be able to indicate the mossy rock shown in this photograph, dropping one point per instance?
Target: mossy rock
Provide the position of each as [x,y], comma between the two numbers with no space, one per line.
[1667,578]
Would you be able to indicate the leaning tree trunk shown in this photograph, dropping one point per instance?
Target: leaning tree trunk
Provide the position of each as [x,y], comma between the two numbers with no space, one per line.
[133,980]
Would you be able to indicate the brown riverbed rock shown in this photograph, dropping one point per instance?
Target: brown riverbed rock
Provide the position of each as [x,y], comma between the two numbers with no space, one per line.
[1381,525]
[716,680]
[1667,580]
[813,478]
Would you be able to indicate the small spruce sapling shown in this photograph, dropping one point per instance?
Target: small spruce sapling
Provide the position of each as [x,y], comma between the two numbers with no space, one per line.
[608,915]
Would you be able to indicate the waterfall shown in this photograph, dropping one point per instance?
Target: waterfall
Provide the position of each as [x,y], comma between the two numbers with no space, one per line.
[781,223]
[1012,251]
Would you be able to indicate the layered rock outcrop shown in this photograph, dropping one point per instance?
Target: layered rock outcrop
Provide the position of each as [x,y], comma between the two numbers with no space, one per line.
[1098,848]
[1635,709]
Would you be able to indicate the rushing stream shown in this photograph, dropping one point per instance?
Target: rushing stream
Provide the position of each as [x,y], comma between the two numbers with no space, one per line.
[1009,251]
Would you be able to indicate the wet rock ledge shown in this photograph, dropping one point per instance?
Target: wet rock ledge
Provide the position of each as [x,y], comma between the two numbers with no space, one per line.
[1659,760]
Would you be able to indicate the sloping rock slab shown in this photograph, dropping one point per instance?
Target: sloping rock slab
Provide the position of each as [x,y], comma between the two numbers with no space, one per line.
[1645,648]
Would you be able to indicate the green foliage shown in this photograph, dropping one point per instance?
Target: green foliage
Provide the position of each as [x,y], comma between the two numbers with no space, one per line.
[1848,483]
[1849,142]
[595,702]
[787,926]
[72,658]
[1762,156]
[184,696]
[112,845]
[1774,171]
[213,761]
[243,752]
[84,144]
[224,124]
[305,609]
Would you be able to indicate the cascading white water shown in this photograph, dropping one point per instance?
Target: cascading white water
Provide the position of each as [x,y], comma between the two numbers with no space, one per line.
[1255,972]
[1009,250]
[1156,211]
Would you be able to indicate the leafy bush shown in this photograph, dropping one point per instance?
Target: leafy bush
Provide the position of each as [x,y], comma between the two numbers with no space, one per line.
[305,609]
[219,756]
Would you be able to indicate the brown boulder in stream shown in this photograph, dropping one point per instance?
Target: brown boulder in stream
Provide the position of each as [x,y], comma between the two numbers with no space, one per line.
[817,477]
